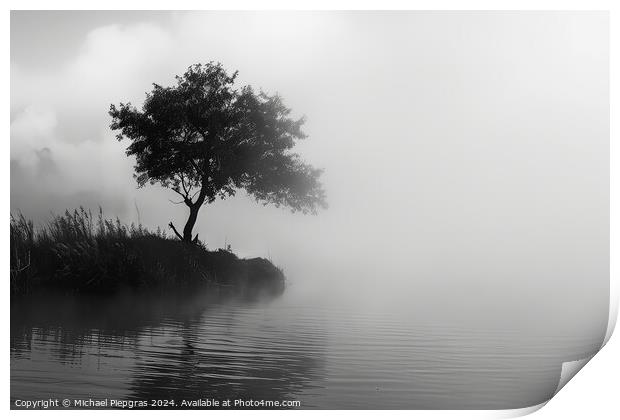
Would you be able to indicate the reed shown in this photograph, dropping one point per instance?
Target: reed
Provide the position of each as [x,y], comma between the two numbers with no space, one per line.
[79,253]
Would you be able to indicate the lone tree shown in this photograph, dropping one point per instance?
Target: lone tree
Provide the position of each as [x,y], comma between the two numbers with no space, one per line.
[205,139]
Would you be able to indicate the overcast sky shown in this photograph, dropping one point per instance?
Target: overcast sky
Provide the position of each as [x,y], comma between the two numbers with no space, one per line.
[465,154]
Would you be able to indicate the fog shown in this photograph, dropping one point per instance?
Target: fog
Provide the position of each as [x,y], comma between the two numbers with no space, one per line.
[466,155]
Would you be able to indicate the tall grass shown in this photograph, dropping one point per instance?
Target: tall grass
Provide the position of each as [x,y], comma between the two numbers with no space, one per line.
[80,253]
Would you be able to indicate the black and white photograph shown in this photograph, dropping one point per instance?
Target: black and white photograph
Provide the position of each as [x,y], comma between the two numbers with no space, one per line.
[306,210]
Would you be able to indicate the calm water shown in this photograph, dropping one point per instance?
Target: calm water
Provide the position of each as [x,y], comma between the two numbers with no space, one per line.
[327,356]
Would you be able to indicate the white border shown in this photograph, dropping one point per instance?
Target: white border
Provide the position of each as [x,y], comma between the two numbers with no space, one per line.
[312,5]
[601,384]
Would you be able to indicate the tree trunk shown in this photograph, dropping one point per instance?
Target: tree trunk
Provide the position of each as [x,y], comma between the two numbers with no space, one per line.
[191,221]
[194,208]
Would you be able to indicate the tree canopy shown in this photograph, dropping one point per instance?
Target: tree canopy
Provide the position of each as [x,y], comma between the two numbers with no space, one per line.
[206,139]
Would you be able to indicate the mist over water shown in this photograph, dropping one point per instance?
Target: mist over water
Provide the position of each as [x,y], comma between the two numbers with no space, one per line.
[465,252]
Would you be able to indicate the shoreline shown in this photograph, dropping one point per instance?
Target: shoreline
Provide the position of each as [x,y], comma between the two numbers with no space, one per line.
[78,254]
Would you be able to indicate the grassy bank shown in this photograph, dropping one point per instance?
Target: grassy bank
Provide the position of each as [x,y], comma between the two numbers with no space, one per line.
[81,254]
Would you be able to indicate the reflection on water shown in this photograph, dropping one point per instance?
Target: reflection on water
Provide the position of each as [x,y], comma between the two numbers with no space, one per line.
[180,347]
[201,346]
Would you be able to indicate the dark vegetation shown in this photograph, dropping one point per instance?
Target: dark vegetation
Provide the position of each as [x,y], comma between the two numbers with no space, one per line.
[77,253]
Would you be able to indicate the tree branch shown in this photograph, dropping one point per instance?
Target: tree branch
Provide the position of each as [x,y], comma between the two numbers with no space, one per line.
[186,199]
[176,232]
[196,168]
[185,189]
[176,190]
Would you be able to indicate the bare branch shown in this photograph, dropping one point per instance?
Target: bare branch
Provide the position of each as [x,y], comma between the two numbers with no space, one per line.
[176,190]
[186,198]
[175,231]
